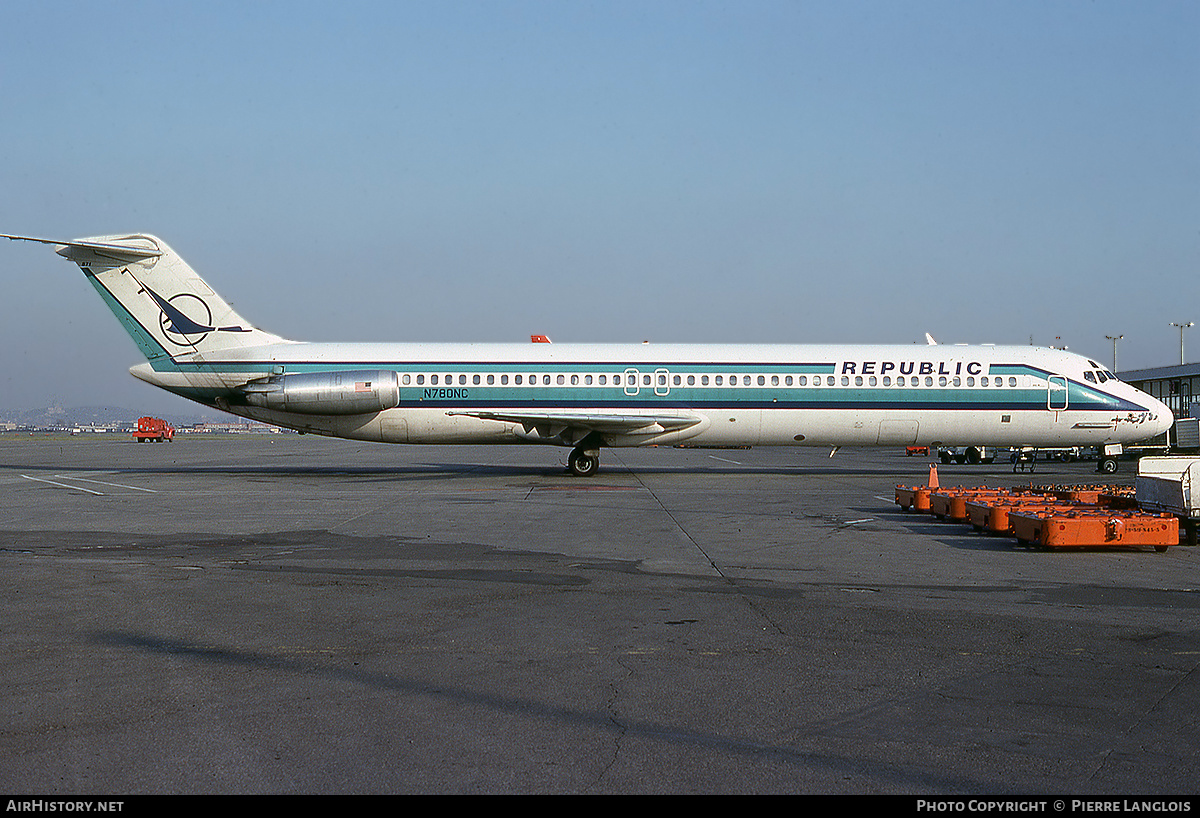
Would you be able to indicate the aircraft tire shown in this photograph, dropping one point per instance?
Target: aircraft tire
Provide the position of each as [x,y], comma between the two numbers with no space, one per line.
[1108,465]
[582,464]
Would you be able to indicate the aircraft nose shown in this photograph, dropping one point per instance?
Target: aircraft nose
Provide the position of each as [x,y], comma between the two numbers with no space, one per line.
[1165,420]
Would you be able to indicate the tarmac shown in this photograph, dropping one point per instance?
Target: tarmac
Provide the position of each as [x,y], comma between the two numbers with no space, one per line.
[293,614]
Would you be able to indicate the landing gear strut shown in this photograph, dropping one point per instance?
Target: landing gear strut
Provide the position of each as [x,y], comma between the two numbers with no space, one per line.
[584,462]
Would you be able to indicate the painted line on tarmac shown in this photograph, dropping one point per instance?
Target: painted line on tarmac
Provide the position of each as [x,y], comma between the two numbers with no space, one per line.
[103,483]
[62,485]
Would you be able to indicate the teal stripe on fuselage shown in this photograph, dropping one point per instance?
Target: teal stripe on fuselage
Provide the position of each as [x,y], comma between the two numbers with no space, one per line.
[471,395]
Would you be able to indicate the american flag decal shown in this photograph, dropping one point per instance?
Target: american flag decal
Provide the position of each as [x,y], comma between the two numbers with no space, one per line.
[362,386]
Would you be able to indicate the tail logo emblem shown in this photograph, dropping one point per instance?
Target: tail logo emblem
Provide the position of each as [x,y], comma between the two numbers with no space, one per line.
[177,324]
[186,319]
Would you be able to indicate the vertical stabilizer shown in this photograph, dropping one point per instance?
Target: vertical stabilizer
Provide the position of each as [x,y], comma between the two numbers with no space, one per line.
[167,309]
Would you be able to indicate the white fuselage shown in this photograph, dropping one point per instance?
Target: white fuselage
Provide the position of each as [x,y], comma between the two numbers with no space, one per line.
[748,395]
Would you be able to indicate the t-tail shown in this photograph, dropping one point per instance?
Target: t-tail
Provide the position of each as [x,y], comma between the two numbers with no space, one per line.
[166,308]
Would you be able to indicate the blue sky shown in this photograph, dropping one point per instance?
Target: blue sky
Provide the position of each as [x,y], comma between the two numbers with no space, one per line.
[609,171]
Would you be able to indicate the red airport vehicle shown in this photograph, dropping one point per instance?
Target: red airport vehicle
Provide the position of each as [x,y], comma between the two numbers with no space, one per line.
[153,430]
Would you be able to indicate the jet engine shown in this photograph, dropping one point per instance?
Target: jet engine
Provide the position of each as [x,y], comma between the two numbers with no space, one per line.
[326,393]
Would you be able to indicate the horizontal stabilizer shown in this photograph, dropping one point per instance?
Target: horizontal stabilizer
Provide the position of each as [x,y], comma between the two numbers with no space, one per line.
[85,251]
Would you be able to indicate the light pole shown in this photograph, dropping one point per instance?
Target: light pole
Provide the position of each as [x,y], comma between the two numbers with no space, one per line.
[1114,339]
[1182,327]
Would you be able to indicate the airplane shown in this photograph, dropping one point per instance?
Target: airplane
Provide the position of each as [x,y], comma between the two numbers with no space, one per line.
[589,396]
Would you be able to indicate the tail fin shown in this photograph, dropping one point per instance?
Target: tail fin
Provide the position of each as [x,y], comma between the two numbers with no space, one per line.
[167,309]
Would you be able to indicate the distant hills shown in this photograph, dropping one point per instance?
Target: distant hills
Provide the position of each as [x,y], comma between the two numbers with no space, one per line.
[59,416]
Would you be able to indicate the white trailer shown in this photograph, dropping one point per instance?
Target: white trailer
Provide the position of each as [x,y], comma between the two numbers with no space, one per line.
[1172,485]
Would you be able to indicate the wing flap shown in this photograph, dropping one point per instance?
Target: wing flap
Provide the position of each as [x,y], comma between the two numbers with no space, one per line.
[609,424]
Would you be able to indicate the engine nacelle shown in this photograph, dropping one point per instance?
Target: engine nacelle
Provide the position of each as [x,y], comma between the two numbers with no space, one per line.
[326,393]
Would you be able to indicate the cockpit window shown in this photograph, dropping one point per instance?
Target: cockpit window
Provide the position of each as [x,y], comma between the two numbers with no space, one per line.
[1088,376]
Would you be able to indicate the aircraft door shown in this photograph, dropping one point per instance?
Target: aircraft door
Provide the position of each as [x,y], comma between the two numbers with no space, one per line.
[631,382]
[662,382]
[1056,393]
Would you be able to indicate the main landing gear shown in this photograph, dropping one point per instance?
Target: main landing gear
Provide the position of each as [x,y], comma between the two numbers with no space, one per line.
[584,462]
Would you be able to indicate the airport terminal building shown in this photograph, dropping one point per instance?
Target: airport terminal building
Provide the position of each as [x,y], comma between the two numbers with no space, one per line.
[1176,386]
[1179,388]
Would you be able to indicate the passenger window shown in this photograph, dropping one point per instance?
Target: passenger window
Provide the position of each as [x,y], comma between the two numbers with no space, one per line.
[475,380]
[603,379]
[845,380]
[762,380]
[942,381]
[704,380]
[720,380]
[803,380]
[788,380]
[433,379]
[928,381]
[887,380]
[587,380]
[420,380]
[858,380]
[871,381]
[462,380]
[691,380]
[406,379]
[983,381]
[546,380]
[745,380]
[504,380]
[518,379]
[491,379]
[645,380]
[1012,381]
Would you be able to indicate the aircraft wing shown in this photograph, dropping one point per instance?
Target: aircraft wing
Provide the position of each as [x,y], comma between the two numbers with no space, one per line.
[611,424]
